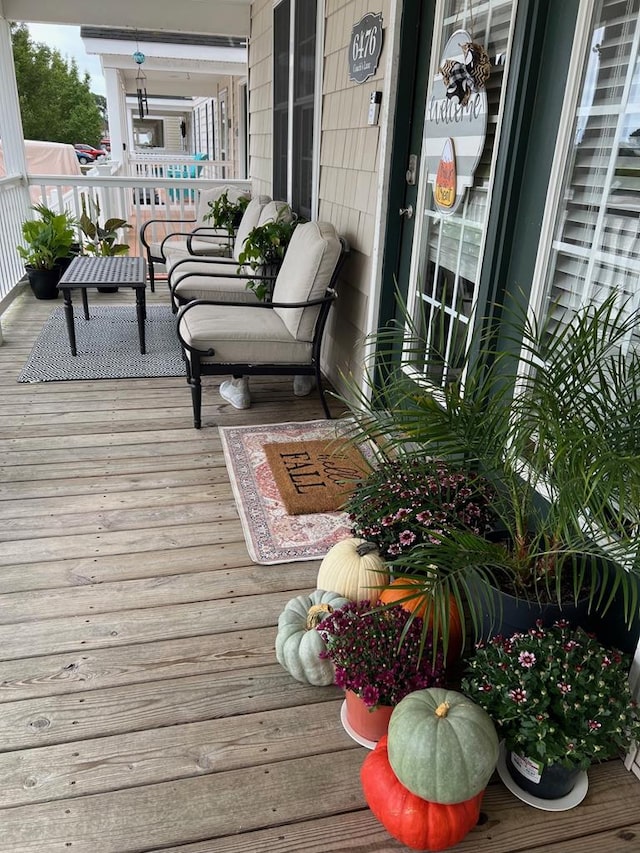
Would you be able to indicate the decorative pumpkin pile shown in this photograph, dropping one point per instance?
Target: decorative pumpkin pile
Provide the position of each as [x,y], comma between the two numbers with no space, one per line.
[426,779]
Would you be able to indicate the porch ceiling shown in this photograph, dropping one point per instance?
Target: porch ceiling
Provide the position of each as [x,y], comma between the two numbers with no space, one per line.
[219,17]
[190,63]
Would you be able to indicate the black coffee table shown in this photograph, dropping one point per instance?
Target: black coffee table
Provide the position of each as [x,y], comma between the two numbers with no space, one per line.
[121,271]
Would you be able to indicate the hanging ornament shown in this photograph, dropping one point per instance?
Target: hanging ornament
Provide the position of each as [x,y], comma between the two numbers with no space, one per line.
[461,79]
[139,57]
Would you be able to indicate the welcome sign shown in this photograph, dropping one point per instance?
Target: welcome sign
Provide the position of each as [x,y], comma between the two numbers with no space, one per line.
[455,126]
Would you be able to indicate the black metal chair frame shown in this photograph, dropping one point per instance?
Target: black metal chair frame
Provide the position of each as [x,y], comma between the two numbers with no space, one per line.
[196,368]
[200,231]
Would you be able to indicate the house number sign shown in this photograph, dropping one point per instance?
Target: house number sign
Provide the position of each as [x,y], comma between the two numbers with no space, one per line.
[365,47]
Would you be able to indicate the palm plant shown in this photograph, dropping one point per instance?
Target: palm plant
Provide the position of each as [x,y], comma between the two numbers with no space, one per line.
[551,416]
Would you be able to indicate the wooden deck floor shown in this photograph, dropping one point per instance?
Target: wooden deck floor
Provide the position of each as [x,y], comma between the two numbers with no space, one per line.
[141,706]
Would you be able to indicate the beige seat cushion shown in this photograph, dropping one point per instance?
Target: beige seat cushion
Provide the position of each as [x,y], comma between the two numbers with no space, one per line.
[217,243]
[305,274]
[219,282]
[249,221]
[177,246]
[275,210]
[220,289]
[242,336]
[234,194]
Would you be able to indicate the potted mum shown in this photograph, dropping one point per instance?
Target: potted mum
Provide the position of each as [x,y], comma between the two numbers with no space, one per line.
[559,699]
[379,658]
[410,499]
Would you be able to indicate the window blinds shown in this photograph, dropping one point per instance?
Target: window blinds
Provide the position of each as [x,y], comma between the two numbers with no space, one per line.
[596,246]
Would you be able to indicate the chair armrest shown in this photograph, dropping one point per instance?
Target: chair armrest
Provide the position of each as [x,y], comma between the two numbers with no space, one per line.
[329,296]
[149,222]
[222,236]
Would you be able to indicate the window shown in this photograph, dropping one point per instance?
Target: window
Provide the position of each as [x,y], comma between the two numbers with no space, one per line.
[148,133]
[294,56]
[595,245]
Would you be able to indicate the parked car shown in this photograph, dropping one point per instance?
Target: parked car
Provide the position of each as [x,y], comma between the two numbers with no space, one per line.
[105,143]
[89,149]
[84,157]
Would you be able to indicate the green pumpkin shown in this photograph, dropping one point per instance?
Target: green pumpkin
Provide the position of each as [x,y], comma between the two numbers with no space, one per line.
[442,746]
[298,644]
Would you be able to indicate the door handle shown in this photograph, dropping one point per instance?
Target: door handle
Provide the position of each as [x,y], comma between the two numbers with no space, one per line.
[407,211]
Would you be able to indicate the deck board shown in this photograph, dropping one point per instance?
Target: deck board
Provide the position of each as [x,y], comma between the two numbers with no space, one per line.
[141,706]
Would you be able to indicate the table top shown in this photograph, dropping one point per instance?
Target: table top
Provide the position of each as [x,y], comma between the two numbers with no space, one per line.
[119,270]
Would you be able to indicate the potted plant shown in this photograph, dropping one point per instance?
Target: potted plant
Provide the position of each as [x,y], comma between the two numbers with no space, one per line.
[549,417]
[47,241]
[101,239]
[405,499]
[226,214]
[378,659]
[263,251]
[559,699]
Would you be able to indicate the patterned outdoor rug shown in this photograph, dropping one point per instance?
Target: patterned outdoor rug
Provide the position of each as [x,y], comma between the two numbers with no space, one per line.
[273,536]
[107,345]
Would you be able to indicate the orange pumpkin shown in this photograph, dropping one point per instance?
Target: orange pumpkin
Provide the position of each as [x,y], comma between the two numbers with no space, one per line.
[417,823]
[397,593]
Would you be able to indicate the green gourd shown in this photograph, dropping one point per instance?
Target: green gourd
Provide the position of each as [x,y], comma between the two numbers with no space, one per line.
[298,644]
[442,746]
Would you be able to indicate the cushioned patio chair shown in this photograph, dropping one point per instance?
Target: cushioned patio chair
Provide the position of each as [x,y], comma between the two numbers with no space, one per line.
[281,337]
[221,278]
[201,239]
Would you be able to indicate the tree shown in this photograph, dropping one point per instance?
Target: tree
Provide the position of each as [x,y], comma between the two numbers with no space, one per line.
[55,103]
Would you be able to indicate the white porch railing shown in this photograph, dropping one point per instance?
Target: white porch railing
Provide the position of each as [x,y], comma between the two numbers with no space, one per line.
[178,166]
[12,214]
[134,199]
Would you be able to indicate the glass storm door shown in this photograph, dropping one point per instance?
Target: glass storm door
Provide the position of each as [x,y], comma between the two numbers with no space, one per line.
[455,173]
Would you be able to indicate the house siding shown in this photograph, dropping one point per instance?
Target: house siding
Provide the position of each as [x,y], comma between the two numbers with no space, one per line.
[349,163]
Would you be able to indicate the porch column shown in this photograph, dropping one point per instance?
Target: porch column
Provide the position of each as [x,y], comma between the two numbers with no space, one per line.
[15,161]
[117,115]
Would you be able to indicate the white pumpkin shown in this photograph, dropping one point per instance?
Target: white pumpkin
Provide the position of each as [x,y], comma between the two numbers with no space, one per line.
[354,568]
[298,644]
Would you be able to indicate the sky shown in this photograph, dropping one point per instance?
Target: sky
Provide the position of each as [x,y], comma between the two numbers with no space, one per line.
[67,40]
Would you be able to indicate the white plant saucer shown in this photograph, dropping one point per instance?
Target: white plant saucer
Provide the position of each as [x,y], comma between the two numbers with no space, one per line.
[370,744]
[563,804]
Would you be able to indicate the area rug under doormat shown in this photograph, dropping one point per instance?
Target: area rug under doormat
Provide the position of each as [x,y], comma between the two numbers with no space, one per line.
[316,475]
[271,534]
[107,344]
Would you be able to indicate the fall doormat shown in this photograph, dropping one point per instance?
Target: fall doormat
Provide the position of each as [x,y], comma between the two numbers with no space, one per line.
[273,535]
[316,475]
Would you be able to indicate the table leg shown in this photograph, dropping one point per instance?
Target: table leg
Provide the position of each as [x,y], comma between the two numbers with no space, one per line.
[85,303]
[68,313]
[141,312]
